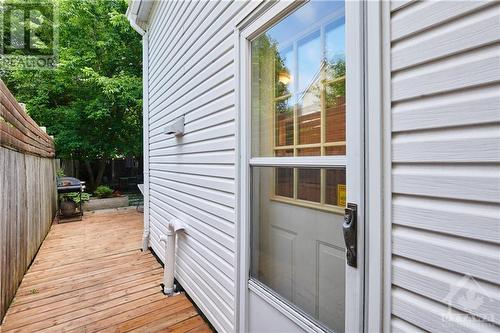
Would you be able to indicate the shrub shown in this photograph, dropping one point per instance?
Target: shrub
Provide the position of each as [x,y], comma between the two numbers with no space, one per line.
[74,196]
[103,192]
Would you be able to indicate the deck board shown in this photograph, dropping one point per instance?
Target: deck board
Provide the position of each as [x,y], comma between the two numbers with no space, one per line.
[90,276]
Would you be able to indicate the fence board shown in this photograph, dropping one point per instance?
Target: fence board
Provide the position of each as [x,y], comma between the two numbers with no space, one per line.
[18,131]
[28,196]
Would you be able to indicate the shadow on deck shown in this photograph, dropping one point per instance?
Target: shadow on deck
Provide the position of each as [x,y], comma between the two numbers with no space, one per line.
[90,276]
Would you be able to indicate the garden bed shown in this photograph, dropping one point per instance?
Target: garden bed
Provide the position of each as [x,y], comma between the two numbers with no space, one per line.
[106,203]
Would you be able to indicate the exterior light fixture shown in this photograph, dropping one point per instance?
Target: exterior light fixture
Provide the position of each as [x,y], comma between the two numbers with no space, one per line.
[284,77]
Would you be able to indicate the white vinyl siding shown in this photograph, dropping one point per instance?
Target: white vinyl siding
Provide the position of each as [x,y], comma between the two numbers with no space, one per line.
[192,73]
[445,91]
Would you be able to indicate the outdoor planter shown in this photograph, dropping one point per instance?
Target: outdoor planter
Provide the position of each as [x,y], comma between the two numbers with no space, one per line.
[105,203]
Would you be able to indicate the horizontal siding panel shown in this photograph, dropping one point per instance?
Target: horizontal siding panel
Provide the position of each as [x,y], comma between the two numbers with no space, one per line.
[167,210]
[223,299]
[164,48]
[401,326]
[399,4]
[194,234]
[182,81]
[217,91]
[188,47]
[220,211]
[435,317]
[216,260]
[207,40]
[208,266]
[221,198]
[449,217]
[224,143]
[196,97]
[470,107]
[218,131]
[203,218]
[222,171]
[445,162]
[428,14]
[192,283]
[470,32]
[166,18]
[478,183]
[161,18]
[480,260]
[217,112]
[474,144]
[215,67]
[223,157]
[225,185]
[460,72]
[448,288]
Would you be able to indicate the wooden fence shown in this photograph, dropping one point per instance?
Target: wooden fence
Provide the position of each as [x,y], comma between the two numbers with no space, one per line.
[28,193]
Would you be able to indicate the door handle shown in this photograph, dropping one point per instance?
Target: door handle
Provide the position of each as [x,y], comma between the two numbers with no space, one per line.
[350,233]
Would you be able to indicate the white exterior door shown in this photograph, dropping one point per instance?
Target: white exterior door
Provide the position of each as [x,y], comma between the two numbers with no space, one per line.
[302,147]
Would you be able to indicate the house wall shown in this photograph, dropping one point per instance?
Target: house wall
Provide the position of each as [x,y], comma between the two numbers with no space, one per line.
[445,75]
[445,143]
[192,73]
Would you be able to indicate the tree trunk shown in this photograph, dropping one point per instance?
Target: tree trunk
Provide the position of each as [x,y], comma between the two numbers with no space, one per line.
[101,166]
[90,173]
[94,182]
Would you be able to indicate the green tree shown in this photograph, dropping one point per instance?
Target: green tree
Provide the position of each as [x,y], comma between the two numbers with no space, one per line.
[92,101]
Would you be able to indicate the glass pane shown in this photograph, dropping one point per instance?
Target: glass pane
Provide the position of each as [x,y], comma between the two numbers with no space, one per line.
[335,190]
[298,252]
[298,80]
[284,182]
[309,184]
[335,150]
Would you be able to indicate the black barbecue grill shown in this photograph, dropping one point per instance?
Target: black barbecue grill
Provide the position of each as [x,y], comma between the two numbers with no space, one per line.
[68,185]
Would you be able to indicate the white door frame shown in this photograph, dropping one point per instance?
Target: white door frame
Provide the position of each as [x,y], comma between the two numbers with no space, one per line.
[263,17]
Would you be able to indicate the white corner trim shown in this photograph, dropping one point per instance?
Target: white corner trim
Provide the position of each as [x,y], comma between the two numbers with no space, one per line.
[145,133]
[374,168]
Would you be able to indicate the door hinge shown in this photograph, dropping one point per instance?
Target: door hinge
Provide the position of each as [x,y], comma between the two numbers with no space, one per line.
[350,234]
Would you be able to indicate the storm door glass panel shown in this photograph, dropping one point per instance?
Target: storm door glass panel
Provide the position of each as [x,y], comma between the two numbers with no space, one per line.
[298,110]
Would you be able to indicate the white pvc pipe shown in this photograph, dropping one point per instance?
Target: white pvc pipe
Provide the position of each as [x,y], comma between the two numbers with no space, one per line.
[168,239]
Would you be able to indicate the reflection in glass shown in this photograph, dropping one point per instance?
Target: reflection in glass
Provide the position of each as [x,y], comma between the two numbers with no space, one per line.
[284,122]
[309,118]
[309,182]
[309,56]
[335,191]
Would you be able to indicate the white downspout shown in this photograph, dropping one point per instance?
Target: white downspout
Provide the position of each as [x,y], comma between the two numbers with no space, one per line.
[145,134]
[168,239]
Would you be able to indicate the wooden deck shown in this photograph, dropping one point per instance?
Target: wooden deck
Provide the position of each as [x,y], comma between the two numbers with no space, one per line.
[90,276]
